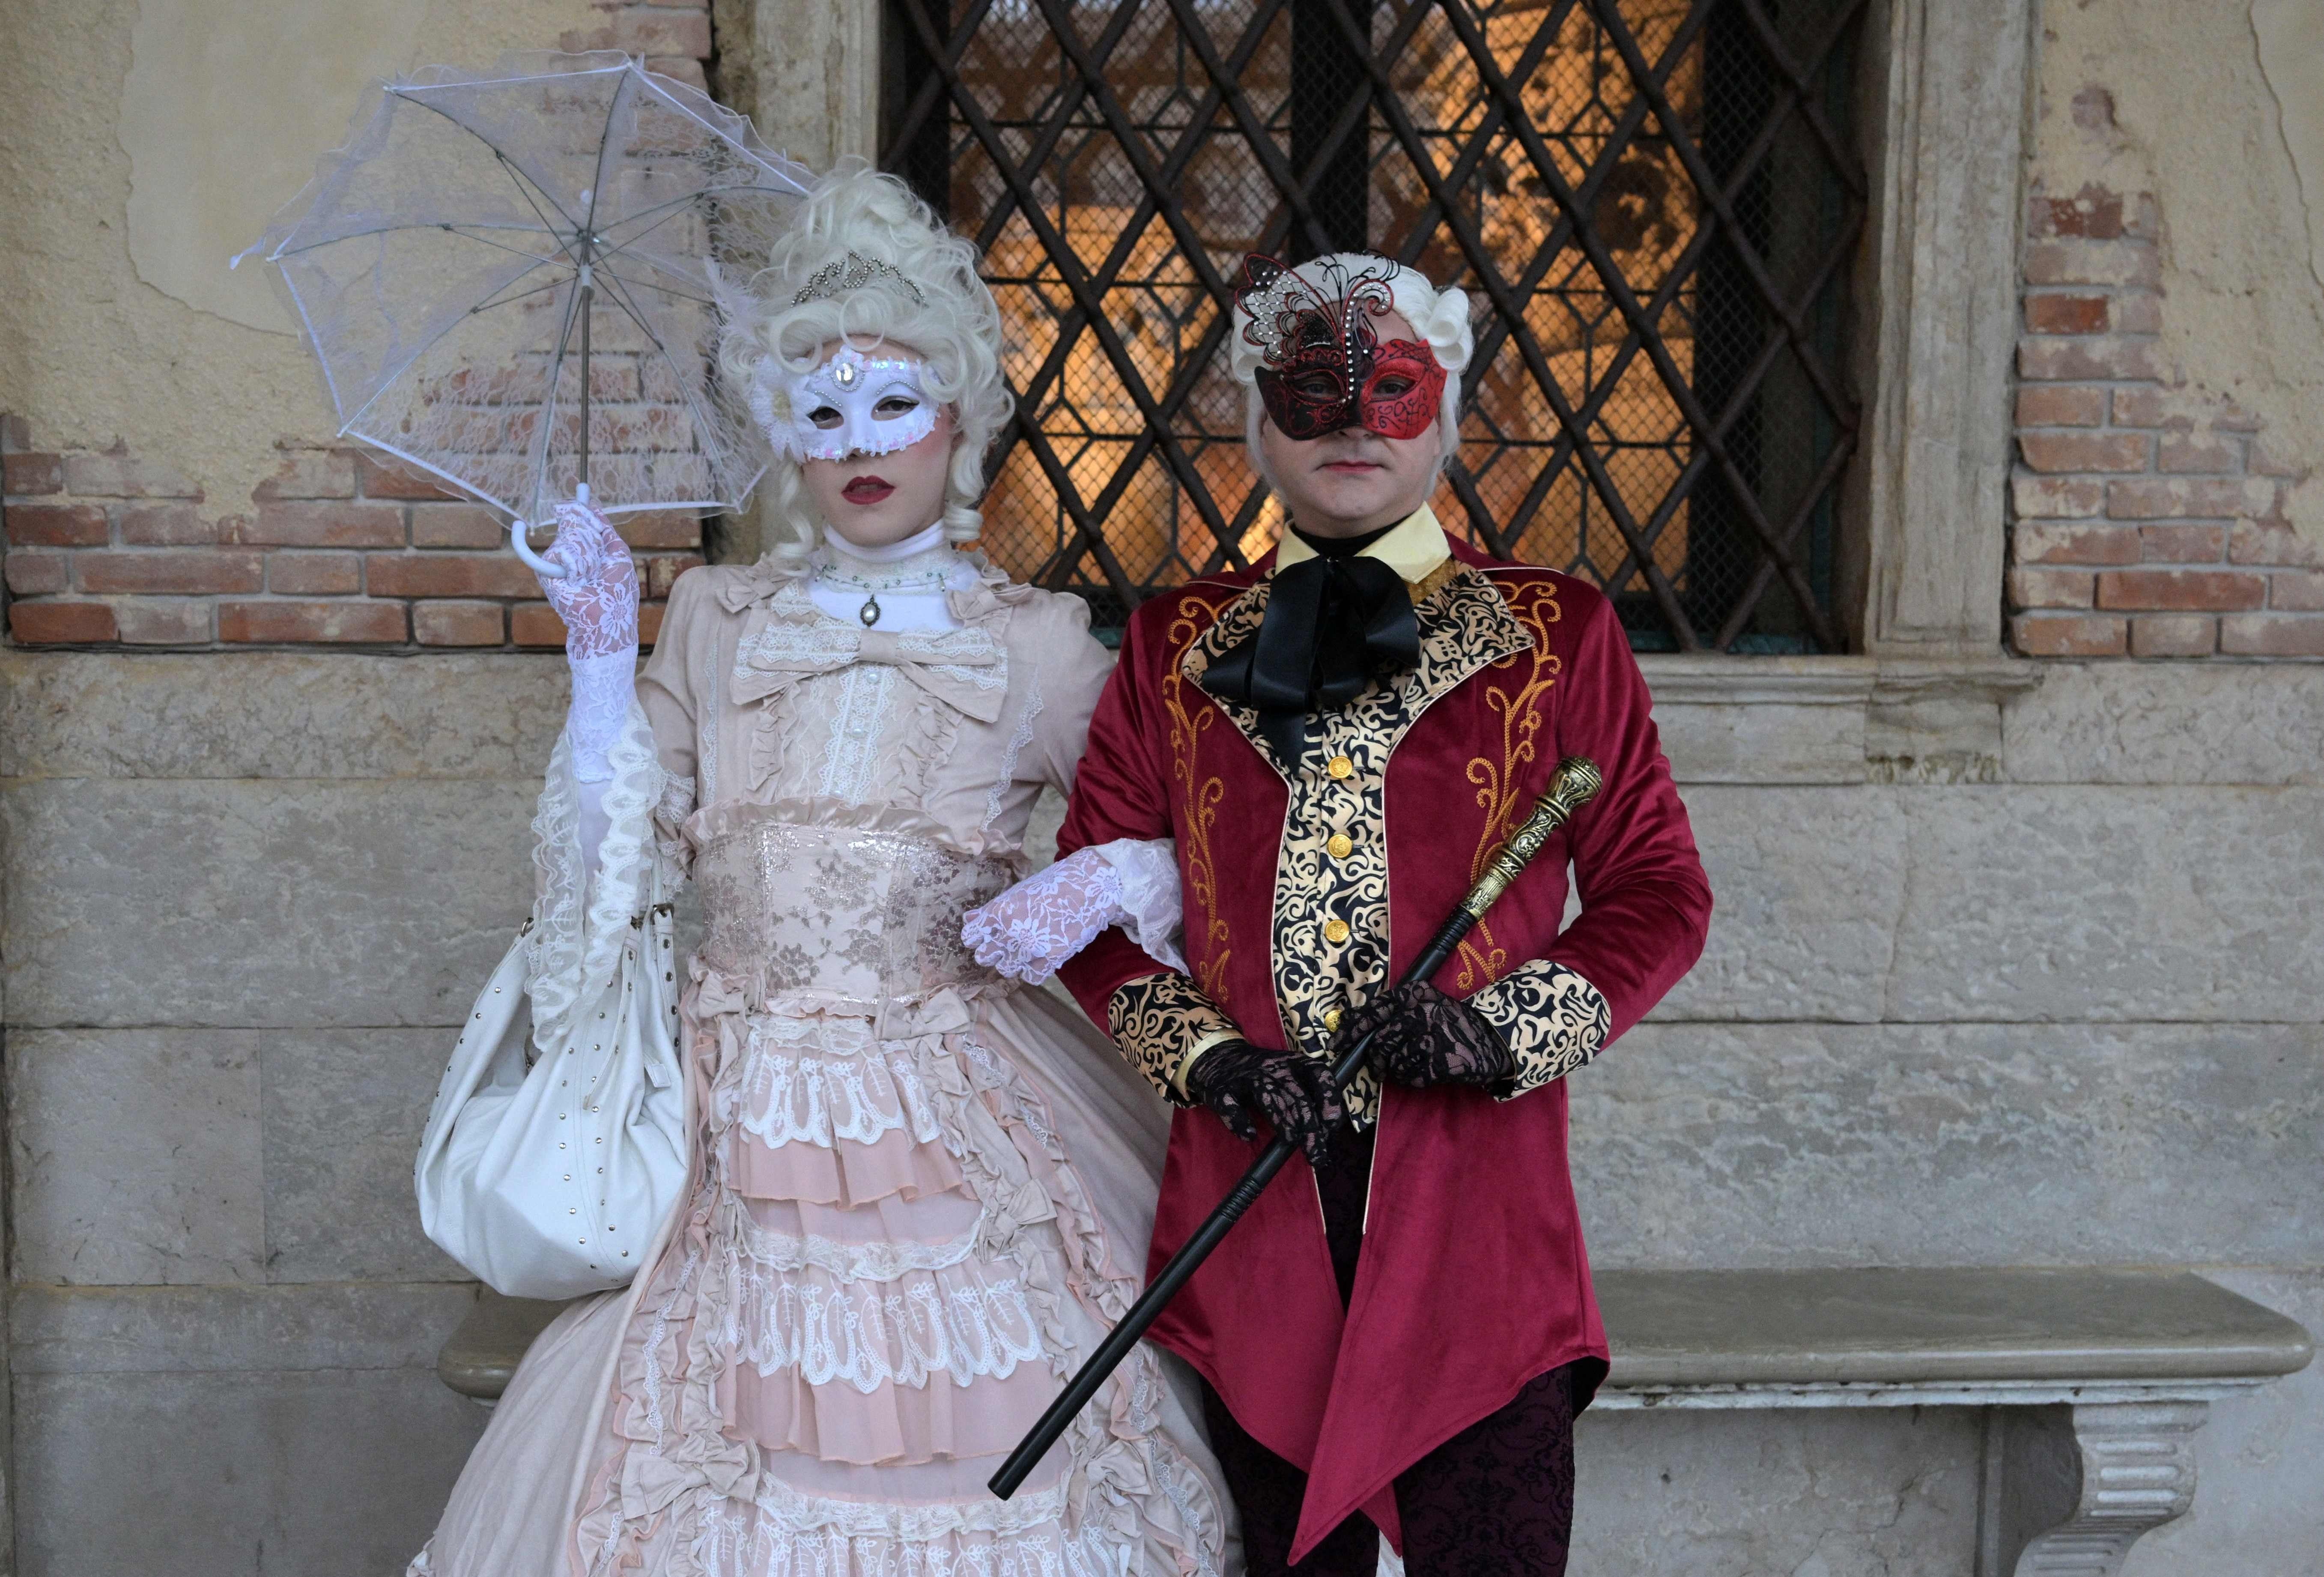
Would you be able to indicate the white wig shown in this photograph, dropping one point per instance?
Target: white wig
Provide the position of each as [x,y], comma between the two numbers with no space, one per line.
[1439,316]
[953,327]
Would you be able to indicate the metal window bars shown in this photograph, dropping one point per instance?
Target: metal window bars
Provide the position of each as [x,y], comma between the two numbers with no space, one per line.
[1653,203]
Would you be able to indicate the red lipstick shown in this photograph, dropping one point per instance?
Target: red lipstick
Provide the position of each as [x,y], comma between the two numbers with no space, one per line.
[866,489]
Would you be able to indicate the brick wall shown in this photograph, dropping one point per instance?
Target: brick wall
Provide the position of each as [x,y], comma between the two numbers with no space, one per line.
[2147,519]
[672,35]
[113,548]
[104,547]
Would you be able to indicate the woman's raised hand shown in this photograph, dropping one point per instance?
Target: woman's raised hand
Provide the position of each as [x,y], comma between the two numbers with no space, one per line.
[589,580]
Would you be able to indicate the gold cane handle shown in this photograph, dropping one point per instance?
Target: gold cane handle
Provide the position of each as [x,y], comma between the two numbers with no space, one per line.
[1575,782]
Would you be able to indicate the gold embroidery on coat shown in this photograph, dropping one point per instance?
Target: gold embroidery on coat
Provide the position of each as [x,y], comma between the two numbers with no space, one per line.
[1465,626]
[1533,604]
[1200,798]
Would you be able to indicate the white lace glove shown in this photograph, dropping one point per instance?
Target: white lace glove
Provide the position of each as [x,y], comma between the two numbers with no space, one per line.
[598,598]
[1044,920]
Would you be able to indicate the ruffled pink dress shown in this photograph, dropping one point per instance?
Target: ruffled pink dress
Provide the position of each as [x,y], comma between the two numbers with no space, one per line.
[920,1193]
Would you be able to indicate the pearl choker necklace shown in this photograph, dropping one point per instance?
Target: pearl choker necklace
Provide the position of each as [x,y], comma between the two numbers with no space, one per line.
[918,569]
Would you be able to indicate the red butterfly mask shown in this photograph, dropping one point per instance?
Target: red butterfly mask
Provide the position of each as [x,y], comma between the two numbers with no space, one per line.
[1324,368]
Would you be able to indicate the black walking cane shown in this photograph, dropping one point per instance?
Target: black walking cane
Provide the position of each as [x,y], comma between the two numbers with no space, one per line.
[1575,781]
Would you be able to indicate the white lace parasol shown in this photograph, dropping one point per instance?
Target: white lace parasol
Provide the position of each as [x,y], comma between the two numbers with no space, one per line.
[510,278]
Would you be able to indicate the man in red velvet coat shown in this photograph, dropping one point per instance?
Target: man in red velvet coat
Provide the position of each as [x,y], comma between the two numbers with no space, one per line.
[1398,1335]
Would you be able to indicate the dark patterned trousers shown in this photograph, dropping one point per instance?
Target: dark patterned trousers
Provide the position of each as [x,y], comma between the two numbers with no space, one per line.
[1494,1500]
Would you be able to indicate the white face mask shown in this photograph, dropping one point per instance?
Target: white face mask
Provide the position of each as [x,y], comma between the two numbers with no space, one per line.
[851,387]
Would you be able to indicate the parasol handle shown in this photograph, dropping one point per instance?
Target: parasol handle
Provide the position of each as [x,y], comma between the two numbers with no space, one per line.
[545,567]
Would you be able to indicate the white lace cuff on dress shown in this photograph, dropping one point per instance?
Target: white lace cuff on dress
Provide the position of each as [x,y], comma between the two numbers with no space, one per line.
[574,944]
[602,690]
[1032,928]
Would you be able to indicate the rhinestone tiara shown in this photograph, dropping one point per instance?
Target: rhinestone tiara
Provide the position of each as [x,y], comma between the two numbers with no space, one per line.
[856,271]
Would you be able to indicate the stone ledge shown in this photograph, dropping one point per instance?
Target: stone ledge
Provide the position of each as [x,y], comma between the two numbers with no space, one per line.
[216,1330]
[1843,1335]
[1811,720]
[1741,720]
[1887,1327]
[480,1358]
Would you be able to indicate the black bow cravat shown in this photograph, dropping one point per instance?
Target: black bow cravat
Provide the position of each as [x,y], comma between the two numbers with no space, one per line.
[1332,626]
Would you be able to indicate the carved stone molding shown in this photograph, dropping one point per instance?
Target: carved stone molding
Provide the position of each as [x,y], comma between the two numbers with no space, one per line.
[1835,719]
[2069,1489]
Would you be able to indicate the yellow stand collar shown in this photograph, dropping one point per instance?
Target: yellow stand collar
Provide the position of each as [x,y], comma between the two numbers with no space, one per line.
[1413,548]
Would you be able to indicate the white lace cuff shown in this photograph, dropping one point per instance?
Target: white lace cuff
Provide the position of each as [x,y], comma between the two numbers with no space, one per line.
[1153,910]
[603,688]
[1031,929]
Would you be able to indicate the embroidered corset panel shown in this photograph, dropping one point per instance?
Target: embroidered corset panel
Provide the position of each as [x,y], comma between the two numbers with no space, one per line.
[867,916]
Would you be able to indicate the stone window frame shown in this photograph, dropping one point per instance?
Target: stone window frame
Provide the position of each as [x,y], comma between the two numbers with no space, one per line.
[1946,126]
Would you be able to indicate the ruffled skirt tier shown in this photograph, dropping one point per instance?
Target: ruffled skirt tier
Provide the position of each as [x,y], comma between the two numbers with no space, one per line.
[904,1235]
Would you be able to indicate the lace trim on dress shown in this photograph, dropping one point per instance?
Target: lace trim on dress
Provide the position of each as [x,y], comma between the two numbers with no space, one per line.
[878,1260]
[579,926]
[1006,777]
[788,645]
[851,759]
[922,1324]
[656,1416]
[714,704]
[857,1089]
[785,1509]
[1184,1488]
[792,1533]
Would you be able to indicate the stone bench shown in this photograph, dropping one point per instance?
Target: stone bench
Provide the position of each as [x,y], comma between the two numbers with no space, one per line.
[2095,1381]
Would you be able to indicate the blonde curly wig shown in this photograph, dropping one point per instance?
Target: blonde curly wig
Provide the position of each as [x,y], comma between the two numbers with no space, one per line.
[955,328]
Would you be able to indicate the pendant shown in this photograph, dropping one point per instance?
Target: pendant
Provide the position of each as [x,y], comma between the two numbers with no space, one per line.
[870,612]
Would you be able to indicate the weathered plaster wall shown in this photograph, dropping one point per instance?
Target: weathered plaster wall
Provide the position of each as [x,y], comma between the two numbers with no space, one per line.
[2290,37]
[223,115]
[2217,109]
[208,113]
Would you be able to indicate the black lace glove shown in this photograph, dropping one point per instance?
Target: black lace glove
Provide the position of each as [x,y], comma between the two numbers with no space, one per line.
[1237,1080]
[1425,1037]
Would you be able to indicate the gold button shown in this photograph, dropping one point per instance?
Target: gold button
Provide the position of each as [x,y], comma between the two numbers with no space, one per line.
[1339,843]
[1341,767]
[1335,930]
[1332,1019]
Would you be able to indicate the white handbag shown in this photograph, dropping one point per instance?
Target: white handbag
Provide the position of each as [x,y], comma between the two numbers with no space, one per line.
[553,1155]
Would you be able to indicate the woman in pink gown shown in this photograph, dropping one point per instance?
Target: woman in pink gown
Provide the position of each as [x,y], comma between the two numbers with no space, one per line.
[919,1194]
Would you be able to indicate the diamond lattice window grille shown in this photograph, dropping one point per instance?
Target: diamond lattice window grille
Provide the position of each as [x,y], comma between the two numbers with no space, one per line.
[1652,203]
